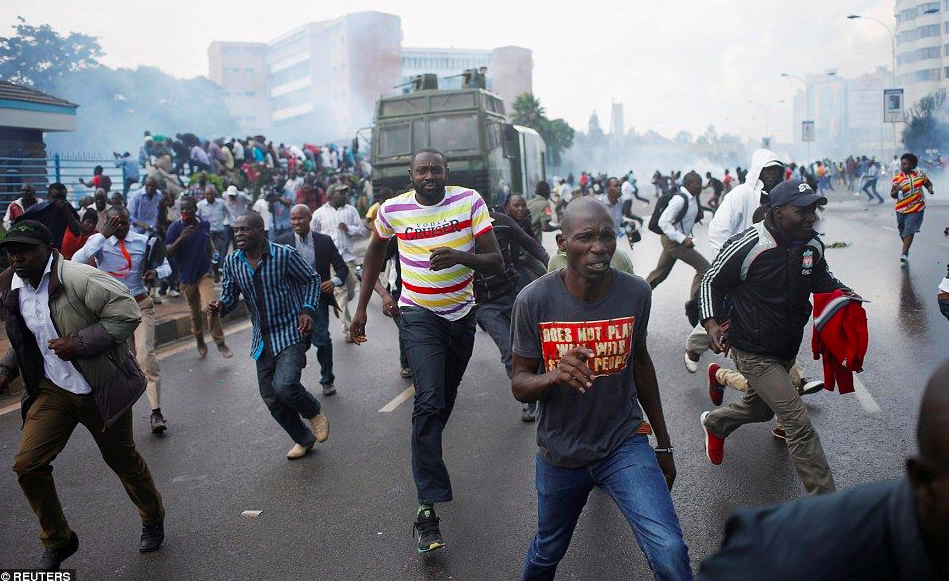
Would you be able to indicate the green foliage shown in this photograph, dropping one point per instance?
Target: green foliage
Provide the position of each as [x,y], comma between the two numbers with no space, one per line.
[211,178]
[557,134]
[38,56]
[927,127]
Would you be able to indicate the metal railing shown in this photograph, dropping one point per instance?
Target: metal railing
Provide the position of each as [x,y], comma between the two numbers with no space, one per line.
[66,168]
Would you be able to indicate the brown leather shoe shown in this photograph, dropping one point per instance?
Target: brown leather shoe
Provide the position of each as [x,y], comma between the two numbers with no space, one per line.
[202,348]
[320,426]
[225,351]
[298,451]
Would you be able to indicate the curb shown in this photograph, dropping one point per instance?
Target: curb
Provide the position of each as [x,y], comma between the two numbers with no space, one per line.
[167,331]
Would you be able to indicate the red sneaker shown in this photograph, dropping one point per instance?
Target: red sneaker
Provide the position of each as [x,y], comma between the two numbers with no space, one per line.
[714,446]
[715,390]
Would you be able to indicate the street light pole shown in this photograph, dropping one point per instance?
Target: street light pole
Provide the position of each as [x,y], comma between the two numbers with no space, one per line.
[893,54]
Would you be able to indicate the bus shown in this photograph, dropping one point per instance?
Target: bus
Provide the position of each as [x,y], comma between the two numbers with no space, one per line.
[469,126]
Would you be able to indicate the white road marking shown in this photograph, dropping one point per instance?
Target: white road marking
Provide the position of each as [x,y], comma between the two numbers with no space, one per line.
[172,348]
[863,396]
[397,400]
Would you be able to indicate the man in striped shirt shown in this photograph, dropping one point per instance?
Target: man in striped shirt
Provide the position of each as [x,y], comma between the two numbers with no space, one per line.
[282,292]
[444,236]
[907,190]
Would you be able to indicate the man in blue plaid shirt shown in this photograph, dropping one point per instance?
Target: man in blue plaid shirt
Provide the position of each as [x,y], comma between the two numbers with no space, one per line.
[282,293]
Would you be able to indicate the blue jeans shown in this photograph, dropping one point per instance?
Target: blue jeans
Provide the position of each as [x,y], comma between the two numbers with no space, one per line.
[321,340]
[438,351]
[278,378]
[495,318]
[632,478]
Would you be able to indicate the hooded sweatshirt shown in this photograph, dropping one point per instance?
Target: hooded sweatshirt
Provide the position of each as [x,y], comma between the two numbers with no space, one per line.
[734,213]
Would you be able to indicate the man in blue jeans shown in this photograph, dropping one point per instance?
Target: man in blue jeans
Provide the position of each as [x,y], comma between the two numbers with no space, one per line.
[282,293]
[579,344]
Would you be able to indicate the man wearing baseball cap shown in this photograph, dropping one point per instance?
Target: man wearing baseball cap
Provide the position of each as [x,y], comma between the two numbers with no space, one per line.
[767,274]
[68,324]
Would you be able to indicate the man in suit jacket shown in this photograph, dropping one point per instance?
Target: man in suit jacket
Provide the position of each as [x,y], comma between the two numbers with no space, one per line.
[320,252]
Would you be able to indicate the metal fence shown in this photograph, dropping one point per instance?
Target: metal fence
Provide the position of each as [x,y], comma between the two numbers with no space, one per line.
[66,168]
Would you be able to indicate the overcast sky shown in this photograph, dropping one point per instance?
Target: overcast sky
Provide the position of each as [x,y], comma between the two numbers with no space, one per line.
[674,64]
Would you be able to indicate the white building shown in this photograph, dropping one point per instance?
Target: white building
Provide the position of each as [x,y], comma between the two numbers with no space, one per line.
[922,47]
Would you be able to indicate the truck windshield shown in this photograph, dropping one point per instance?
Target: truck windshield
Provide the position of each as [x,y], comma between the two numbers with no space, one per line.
[454,132]
[394,140]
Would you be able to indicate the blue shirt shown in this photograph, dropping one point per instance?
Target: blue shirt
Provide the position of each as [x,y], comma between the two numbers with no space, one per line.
[126,267]
[129,167]
[144,208]
[191,258]
[281,213]
[281,288]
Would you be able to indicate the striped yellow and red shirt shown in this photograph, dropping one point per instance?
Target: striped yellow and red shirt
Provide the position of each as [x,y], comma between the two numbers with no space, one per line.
[455,222]
[910,191]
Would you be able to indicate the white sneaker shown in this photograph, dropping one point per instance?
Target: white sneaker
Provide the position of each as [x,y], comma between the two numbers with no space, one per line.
[810,387]
[691,366]
[173,293]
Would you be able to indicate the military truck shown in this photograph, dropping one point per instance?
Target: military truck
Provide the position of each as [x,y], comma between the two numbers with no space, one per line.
[484,151]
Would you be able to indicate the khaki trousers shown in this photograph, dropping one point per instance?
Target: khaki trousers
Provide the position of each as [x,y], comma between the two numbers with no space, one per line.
[671,252]
[198,296]
[49,423]
[770,392]
[142,344]
[344,294]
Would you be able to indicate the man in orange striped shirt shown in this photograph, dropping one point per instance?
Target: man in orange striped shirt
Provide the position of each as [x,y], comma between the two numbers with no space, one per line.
[907,190]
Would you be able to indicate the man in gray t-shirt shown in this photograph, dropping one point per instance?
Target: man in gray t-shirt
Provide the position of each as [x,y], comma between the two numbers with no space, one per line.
[579,349]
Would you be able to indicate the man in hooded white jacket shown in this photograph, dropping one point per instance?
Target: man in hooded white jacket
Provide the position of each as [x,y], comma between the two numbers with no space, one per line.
[735,214]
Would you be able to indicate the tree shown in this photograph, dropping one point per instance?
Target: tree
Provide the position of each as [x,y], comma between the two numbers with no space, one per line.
[557,134]
[927,127]
[38,56]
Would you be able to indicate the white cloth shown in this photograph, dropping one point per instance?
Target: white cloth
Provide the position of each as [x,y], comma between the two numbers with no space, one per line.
[34,306]
[944,285]
[326,220]
[111,260]
[236,206]
[735,210]
[679,231]
[262,207]
[627,191]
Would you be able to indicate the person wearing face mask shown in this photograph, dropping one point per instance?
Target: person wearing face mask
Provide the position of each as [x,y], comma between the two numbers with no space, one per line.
[767,274]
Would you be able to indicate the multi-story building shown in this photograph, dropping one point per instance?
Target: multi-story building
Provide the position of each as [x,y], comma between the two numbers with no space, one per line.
[847,114]
[319,80]
[322,79]
[922,47]
[509,68]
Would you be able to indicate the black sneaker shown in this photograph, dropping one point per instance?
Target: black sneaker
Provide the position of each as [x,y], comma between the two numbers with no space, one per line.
[152,537]
[158,422]
[53,557]
[426,531]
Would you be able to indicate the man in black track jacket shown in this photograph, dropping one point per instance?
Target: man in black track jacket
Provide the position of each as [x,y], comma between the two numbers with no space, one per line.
[761,284]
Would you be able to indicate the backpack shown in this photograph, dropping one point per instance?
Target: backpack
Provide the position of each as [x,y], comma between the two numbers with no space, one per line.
[661,206]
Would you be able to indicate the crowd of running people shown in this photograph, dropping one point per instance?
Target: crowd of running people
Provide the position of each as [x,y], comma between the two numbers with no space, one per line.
[571,328]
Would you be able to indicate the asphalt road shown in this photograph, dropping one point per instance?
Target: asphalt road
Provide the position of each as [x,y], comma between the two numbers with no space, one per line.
[345,512]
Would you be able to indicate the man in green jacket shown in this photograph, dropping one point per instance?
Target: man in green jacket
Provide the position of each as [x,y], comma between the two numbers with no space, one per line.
[539,207]
[68,324]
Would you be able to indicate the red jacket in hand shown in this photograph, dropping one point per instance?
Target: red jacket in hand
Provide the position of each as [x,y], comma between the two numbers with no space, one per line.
[840,338]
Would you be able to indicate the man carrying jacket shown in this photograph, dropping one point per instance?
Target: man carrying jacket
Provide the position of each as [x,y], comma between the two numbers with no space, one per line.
[68,324]
[767,273]
[319,252]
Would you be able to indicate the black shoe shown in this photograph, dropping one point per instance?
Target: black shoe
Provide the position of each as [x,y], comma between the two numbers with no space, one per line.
[529,413]
[158,422]
[52,558]
[152,537]
[426,531]
[329,389]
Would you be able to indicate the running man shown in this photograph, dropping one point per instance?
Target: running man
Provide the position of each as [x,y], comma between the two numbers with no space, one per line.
[445,236]
[585,326]
[907,190]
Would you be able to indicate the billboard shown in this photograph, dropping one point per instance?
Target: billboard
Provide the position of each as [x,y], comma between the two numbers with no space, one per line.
[807,131]
[892,105]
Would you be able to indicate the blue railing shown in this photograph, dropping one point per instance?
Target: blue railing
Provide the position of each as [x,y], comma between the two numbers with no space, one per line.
[67,168]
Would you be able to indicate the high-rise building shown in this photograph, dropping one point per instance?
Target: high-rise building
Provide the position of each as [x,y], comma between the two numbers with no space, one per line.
[322,79]
[922,47]
[617,126]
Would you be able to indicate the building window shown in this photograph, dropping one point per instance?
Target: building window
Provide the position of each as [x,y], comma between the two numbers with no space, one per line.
[929,30]
[249,93]
[927,7]
[927,75]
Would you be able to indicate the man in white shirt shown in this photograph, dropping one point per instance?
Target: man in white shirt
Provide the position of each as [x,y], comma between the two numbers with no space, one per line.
[124,255]
[212,210]
[676,222]
[340,220]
